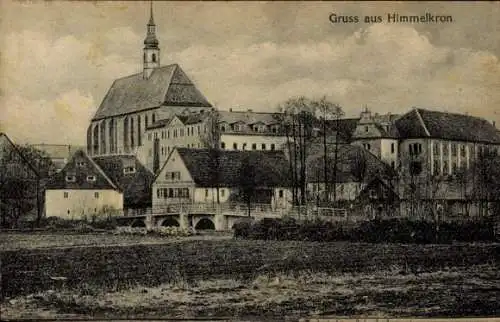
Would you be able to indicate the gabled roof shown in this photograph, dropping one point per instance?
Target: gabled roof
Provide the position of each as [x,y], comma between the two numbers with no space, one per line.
[136,186]
[271,167]
[420,123]
[81,166]
[167,85]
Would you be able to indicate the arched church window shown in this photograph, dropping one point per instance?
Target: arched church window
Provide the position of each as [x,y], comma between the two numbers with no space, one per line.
[144,57]
[153,118]
[153,58]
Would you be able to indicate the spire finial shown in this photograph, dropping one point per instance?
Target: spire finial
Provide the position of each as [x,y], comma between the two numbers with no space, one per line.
[151,20]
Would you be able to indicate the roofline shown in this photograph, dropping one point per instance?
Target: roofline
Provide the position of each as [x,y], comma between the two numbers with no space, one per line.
[375,138]
[156,175]
[421,120]
[123,114]
[95,165]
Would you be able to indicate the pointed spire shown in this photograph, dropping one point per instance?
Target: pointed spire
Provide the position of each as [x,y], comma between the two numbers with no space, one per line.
[151,20]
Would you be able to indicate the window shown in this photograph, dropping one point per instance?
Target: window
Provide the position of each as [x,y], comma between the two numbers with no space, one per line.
[96,195]
[273,147]
[453,150]
[373,194]
[222,192]
[235,146]
[366,128]
[162,151]
[222,145]
[445,149]
[393,149]
[165,193]
[158,193]
[70,178]
[206,193]
[223,128]
[168,134]
[80,163]
[149,136]
[274,129]
[263,146]
[188,130]
[66,195]
[181,132]
[162,134]
[153,57]
[91,178]
[170,192]
[367,146]
[254,146]
[176,175]
[128,170]
[280,193]
[454,168]
[415,148]
[175,133]
[245,146]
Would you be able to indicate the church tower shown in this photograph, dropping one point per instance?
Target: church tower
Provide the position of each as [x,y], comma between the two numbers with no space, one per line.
[151,57]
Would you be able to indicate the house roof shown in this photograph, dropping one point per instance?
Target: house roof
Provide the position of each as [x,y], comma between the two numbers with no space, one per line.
[248,117]
[167,85]
[81,166]
[354,164]
[420,123]
[270,167]
[136,186]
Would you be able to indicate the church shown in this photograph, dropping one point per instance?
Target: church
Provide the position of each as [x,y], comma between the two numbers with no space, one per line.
[136,102]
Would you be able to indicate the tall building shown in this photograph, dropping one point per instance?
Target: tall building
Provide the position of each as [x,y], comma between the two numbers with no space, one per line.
[135,102]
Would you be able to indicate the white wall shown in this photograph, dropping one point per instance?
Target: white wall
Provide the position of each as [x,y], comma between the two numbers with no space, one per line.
[80,202]
[240,139]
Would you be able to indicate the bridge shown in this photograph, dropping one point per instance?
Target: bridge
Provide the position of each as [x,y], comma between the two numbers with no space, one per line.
[222,217]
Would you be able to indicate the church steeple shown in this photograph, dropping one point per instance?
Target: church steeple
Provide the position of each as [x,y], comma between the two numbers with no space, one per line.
[151,55]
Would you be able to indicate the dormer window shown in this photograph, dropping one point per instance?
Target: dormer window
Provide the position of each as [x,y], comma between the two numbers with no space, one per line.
[128,170]
[91,178]
[70,178]
[80,163]
[223,128]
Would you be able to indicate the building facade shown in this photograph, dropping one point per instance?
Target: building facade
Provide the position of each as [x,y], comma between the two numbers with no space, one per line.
[135,102]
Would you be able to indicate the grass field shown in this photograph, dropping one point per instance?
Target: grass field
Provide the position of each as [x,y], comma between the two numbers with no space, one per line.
[236,278]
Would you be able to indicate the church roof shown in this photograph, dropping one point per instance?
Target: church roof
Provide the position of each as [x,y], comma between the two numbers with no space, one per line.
[167,85]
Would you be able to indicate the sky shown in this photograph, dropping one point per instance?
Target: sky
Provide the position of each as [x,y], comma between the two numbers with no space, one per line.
[59,58]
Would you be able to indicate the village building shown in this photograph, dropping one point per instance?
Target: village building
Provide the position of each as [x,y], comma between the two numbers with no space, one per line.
[132,178]
[193,176]
[19,184]
[81,190]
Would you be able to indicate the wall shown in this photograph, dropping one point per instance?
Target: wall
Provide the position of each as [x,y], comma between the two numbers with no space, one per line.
[240,139]
[80,202]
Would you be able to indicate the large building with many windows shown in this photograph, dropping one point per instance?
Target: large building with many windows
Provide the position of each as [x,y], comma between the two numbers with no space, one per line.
[135,102]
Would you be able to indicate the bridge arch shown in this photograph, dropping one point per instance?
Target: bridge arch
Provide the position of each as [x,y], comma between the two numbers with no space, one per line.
[204,223]
[169,222]
[138,223]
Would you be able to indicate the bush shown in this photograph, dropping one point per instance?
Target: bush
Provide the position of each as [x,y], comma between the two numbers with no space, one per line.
[160,231]
[373,231]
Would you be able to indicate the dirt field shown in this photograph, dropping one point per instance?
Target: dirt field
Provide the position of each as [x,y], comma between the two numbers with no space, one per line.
[240,279]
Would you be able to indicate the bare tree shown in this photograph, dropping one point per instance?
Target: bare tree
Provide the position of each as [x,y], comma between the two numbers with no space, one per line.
[247,181]
[326,111]
[211,139]
[23,171]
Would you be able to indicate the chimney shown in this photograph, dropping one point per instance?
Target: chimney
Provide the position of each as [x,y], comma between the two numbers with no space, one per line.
[230,109]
